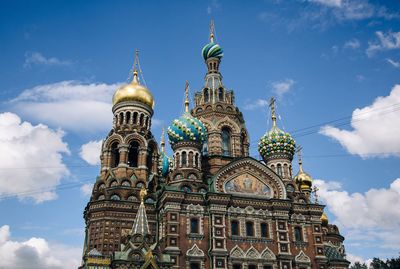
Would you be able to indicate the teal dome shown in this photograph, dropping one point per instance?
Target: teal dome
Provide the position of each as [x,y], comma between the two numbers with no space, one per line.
[164,164]
[212,50]
[276,142]
[187,129]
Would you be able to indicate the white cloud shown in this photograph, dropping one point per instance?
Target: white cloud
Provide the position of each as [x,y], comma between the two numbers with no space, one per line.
[393,63]
[90,152]
[352,44]
[86,189]
[213,6]
[354,258]
[330,3]
[370,219]
[35,253]
[377,208]
[376,128]
[69,104]
[386,41]
[282,87]
[252,105]
[30,160]
[36,58]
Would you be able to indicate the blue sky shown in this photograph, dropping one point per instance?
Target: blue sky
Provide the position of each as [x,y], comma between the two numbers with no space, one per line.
[323,59]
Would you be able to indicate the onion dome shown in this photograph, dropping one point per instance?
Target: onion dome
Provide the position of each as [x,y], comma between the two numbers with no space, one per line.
[324,219]
[302,179]
[212,50]
[133,91]
[187,129]
[276,143]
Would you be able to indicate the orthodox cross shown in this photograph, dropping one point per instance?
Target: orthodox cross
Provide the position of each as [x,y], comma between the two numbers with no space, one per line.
[212,31]
[272,101]
[315,190]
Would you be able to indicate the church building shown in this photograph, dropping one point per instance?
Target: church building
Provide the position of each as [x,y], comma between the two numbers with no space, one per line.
[210,205]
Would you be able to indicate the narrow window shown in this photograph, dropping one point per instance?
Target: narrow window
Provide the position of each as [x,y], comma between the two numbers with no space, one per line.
[196,160]
[205,148]
[133,154]
[141,119]
[135,115]
[226,142]
[114,155]
[194,226]
[149,159]
[194,265]
[264,230]
[121,118]
[298,234]
[237,266]
[221,95]
[252,266]
[184,159]
[206,96]
[249,228]
[235,227]
[128,117]
[279,169]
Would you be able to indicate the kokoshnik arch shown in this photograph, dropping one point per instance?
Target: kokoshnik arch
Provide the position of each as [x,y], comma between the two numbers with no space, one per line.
[210,205]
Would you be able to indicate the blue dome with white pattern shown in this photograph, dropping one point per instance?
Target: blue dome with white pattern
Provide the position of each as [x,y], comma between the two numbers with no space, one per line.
[187,129]
[212,50]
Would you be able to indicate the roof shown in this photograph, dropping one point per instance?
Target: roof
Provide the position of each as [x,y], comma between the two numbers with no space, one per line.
[333,255]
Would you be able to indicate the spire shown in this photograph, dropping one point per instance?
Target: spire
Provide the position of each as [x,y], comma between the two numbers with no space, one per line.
[187,97]
[212,31]
[298,150]
[162,143]
[141,225]
[135,67]
[272,106]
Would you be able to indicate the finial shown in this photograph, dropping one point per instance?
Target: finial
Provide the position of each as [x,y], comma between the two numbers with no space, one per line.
[162,140]
[272,106]
[298,150]
[143,193]
[187,97]
[212,31]
[135,69]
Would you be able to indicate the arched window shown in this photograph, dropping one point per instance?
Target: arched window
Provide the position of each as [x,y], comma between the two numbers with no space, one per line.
[194,265]
[126,183]
[114,183]
[177,159]
[234,227]
[128,117]
[221,94]
[279,169]
[298,234]
[190,159]
[114,155]
[205,148]
[194,226]
[206,96]
[249,228]
[147,122]
[196,160]
[149,159]
[186,189]
[139,185]
[101,197]
[135,115]
[133,154]
[184,159]
[141,119]
[264,230]
[285,170]
[121,118]
[226,142]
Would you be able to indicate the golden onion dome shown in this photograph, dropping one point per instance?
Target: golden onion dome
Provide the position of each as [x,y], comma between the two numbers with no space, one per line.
[133,91]
[324,219]
[303,179]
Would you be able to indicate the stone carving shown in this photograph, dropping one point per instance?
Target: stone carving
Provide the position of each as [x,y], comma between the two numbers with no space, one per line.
[267,254]
[252,253]
[195,251]
[302,257]
[237,252]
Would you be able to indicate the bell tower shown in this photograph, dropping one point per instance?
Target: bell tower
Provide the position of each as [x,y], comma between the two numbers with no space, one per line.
[215,107]
[129,162]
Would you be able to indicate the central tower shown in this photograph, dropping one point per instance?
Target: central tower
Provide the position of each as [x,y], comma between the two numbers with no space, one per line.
[215,107]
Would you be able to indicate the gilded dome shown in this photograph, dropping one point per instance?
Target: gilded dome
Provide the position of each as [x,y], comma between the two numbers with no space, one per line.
[324,219]
[187,129]
[303,179]
[133,91]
